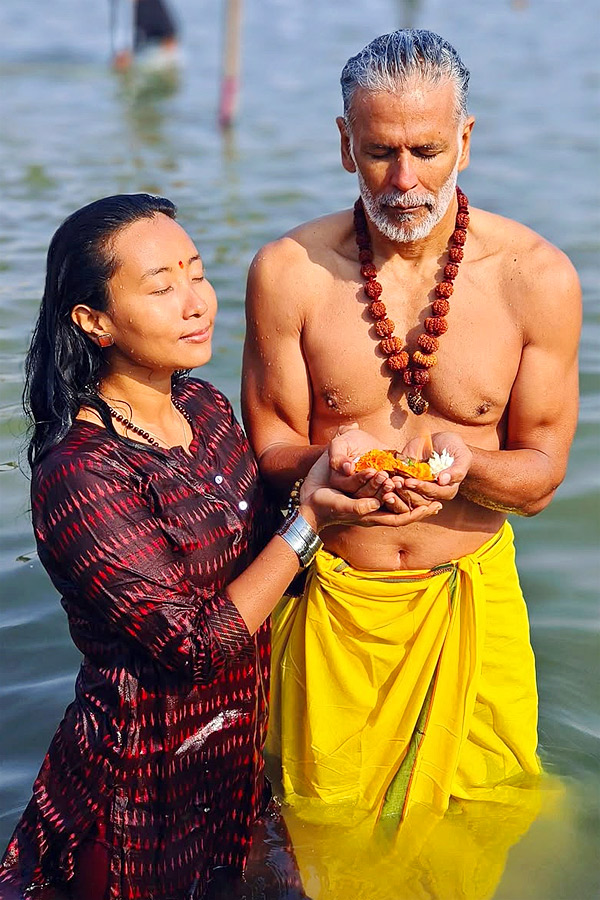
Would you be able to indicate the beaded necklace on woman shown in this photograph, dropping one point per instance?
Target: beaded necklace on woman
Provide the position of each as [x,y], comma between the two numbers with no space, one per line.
[415,366]
[150,438]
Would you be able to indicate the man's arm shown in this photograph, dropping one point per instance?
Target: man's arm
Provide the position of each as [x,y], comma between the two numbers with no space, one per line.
[276,392]
[523,476]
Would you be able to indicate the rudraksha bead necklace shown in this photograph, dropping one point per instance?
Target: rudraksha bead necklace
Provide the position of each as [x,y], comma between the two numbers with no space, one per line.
[144,433]
[414,367]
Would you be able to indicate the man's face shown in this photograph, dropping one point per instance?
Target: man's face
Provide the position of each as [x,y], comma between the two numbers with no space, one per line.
[407,149]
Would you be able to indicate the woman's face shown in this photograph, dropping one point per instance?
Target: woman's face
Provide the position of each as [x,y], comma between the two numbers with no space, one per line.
[162,308]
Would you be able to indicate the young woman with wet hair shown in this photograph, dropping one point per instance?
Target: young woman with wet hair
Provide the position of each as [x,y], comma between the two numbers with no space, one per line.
[151,521]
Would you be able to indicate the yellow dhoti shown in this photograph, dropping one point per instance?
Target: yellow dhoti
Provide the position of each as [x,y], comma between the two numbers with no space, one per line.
[397,689]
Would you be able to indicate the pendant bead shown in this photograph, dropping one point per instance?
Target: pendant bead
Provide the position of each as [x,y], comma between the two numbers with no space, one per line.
[417,403]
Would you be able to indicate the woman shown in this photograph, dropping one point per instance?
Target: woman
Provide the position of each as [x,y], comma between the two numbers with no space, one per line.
[151,522]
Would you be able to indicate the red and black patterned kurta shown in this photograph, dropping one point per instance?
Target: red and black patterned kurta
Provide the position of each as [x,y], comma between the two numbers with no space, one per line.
[162,744]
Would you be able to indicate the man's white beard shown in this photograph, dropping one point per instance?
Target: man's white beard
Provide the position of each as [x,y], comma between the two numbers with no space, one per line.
[401,230]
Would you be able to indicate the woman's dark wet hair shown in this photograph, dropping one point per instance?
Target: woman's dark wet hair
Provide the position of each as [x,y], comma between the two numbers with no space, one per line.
[64,366]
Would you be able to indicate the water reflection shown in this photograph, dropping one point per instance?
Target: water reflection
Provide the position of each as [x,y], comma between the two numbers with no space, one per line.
[461,855]
[143,94]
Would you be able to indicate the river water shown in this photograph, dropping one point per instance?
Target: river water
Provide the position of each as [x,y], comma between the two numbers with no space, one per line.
[72,131]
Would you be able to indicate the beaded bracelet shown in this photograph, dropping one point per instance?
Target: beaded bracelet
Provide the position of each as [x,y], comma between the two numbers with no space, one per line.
[294,498]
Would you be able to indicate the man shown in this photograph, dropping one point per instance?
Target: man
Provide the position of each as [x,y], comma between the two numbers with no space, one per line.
[404,676]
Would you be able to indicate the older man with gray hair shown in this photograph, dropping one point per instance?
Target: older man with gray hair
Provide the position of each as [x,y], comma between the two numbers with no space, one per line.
[403,676]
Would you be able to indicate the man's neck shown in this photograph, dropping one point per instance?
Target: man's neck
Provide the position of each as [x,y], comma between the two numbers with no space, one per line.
[431,246]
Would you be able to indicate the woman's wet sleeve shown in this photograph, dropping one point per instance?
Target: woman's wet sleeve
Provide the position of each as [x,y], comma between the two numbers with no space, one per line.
[99,539]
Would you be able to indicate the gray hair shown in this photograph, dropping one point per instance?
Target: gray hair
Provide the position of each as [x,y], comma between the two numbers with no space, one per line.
[389,61]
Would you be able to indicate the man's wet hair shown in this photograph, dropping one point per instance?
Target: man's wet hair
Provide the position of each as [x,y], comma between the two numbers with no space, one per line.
[389,61]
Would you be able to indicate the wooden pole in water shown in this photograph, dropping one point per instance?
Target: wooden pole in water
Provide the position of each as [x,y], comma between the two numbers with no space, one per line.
[231,62]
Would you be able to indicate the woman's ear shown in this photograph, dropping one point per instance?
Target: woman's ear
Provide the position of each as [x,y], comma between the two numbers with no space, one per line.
[93,323]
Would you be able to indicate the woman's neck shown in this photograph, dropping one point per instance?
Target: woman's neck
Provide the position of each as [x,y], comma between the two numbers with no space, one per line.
[148,402]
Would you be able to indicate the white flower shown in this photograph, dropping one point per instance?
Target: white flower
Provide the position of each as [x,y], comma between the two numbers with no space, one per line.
[440,461]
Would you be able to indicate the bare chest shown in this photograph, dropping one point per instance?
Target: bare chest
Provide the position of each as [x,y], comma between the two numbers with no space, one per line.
[477,360]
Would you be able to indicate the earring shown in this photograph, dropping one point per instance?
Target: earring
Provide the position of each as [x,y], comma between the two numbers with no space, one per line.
[105,339]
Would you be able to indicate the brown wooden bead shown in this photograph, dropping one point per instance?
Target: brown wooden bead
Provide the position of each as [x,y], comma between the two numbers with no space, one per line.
[384,327]
[408,376]
[459,236]
[398,361]
[373,289]
[420,376]
[391,345]
[378,310]
[440,307]
[368,270]
[444,289]
[463,200]
[456,254]
[450,271]
[424,360]
[428,343]
[436,325]
[462,219]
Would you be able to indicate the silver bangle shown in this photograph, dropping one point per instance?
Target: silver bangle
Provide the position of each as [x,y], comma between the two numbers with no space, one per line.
[301,537]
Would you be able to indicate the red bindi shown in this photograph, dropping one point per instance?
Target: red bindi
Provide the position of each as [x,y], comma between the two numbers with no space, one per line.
[180,264]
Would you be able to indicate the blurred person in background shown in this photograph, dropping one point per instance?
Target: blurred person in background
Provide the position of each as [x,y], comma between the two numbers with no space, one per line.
[152,523]
[154,29]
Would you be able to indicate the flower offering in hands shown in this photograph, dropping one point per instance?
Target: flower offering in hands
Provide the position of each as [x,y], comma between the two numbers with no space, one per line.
[391,461]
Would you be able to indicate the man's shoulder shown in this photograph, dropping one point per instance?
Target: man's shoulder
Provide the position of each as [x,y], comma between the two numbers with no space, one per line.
[315,243]
[537,280]
[507,240]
